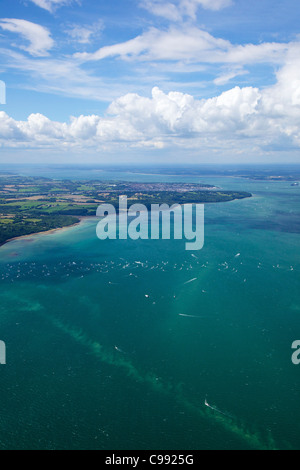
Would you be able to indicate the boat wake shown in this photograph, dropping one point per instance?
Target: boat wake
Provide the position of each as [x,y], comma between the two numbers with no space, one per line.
[191,280]
[217,411]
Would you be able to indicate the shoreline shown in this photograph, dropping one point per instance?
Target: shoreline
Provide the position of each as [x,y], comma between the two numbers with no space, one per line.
[82,218]
[47,232]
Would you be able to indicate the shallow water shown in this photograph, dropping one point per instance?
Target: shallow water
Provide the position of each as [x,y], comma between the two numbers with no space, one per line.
[109,346]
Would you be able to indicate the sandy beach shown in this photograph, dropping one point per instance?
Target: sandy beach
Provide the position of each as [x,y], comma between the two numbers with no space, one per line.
[47,232]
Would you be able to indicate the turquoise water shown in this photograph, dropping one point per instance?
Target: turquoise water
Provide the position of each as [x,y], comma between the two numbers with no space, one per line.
[95,364]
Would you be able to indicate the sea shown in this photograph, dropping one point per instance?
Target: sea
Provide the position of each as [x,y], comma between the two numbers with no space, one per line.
[142,345]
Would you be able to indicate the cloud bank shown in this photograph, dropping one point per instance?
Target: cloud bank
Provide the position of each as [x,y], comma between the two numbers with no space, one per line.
[258,117]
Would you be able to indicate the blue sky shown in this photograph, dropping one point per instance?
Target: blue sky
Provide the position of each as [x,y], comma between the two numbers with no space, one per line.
[150,81]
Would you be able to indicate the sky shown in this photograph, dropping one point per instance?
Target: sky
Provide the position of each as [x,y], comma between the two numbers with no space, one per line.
[149,81]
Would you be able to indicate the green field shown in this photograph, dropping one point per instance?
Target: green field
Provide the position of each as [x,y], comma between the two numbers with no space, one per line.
[59,203]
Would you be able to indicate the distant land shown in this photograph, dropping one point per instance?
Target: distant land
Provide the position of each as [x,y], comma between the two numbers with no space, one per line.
[268,173]
[31,205]
[259,172]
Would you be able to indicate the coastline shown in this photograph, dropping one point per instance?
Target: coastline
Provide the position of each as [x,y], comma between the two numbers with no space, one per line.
[47,232]
[82,218]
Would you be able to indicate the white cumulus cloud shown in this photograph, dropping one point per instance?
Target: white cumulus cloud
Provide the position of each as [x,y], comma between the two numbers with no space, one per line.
[161,8]
[51,5]
[190,44]
[176,10]
[84,34]
[191,6]
[39,38]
